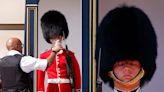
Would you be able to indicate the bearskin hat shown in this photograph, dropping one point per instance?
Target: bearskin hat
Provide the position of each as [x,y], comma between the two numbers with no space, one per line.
[53,23]
[126,33]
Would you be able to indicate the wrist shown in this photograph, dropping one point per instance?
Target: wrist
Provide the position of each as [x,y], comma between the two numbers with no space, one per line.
[53,50]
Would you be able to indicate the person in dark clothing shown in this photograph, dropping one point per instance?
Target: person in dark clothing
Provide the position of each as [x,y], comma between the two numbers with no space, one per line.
[15,68]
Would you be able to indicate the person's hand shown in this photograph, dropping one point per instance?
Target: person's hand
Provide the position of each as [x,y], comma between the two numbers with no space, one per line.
[57,46]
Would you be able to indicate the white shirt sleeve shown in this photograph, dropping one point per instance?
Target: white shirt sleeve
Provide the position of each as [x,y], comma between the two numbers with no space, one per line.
[29,64]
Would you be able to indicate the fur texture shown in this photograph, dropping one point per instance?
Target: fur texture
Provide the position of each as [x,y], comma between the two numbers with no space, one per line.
[53,24]
[126,33]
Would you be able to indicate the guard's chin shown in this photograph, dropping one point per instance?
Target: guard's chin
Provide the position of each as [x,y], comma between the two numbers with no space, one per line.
[127,82]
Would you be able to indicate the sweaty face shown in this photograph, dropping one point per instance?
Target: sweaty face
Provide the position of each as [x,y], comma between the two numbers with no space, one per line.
[126,70]
[57,41]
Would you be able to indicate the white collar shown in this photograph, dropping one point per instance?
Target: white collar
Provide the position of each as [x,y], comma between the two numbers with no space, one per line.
[60,52]
[138,90]
[13,52]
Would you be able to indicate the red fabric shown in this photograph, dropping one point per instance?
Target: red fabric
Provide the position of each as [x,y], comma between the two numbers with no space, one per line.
[55,87]
[52,73]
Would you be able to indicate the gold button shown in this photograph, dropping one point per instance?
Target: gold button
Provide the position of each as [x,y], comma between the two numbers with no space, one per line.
[57,60]
[58,73]
[58,68]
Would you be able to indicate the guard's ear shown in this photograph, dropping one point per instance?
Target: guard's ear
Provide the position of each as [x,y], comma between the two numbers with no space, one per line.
[52,41]
[63,38]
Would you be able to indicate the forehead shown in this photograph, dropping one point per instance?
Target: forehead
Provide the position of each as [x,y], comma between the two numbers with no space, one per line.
[128,61]
[57,37]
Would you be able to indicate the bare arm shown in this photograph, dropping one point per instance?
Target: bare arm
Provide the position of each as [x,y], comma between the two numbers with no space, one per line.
[56,47]
[51,58]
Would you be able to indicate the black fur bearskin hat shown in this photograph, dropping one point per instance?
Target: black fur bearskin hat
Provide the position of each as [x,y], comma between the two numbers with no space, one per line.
[126,33]
[53,24]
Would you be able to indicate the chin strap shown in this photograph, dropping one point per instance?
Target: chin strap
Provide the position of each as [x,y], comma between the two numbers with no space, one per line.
[133,81]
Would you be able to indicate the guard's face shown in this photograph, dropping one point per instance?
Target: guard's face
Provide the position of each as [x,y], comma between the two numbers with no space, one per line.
[57,41]
[126,70]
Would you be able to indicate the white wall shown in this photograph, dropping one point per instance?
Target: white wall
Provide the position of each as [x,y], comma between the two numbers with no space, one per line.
[11,12]
[155,11]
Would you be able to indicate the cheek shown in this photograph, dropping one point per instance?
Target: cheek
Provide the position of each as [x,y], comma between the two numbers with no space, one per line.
[118,73]
[52,41]
[136,71]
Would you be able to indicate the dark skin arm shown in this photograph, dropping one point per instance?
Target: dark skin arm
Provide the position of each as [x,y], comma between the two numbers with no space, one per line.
[50,59]
[56,47]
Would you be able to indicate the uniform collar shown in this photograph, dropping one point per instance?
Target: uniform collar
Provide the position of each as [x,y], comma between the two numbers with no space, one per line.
[13,52]
[137,90]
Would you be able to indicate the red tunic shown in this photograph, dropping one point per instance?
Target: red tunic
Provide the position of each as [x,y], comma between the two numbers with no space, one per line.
[58,79]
